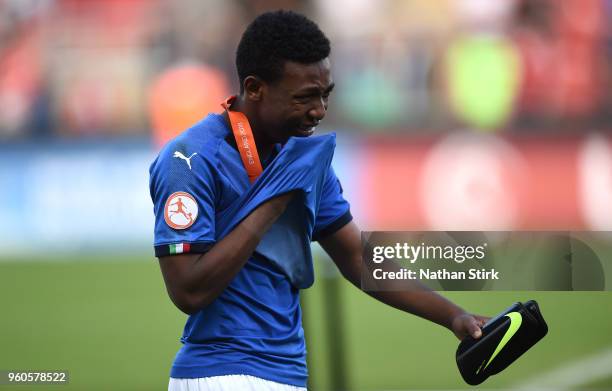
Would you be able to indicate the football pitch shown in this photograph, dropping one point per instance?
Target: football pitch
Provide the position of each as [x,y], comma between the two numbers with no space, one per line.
[110,324]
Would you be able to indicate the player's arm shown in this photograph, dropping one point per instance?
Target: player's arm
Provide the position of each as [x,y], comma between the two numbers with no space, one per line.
[194,280]
[344,247]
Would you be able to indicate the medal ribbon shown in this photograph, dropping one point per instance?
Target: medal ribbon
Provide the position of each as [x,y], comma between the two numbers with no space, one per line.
[244,140]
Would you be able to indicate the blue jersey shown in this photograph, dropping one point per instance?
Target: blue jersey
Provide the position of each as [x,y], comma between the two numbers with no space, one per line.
[254,327]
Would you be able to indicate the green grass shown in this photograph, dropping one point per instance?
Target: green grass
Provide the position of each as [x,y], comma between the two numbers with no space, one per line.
[112,326]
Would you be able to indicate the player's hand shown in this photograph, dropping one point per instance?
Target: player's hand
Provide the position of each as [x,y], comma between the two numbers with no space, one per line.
[280,203]
[260,220]
[467,324]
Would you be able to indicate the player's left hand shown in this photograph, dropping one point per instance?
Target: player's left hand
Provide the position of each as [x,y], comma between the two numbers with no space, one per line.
[467,324]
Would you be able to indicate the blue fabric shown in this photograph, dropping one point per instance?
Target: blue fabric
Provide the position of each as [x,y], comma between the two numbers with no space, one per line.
[301,165]
[254,326]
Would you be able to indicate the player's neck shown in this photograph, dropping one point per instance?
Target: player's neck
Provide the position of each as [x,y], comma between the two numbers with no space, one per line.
[264,146]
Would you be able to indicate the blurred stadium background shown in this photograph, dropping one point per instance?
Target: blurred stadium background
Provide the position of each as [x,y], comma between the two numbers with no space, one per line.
[451,114]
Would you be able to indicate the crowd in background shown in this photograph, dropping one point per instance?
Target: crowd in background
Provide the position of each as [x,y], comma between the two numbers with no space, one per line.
[146,68]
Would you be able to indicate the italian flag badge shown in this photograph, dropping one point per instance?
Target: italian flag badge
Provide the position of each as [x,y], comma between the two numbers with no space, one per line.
[179,248]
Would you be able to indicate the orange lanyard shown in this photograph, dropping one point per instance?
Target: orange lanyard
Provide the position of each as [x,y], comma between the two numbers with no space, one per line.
[244,140]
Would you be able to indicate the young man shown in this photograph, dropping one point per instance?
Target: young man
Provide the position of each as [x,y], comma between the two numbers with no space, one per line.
[244,331]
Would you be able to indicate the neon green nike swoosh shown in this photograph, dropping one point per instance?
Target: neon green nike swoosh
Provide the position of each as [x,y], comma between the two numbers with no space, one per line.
[515,323]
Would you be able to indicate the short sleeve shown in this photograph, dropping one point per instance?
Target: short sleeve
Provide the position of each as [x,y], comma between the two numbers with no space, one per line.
[334,211]
[182,188]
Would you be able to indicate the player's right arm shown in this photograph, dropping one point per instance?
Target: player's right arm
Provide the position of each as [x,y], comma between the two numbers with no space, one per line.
[194,280]
[196,264]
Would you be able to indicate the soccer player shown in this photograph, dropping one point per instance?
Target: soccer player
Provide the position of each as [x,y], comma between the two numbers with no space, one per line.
[244,331]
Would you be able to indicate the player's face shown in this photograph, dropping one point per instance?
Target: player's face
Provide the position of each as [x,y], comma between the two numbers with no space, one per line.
[294,105]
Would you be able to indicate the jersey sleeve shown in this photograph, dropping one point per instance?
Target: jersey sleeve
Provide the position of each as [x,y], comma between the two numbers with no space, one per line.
[182,187]
[334,211]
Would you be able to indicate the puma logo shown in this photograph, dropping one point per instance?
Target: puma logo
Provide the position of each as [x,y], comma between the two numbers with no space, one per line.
[187,159]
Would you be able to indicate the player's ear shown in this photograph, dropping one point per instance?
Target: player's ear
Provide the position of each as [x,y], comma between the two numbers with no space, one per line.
[253,88]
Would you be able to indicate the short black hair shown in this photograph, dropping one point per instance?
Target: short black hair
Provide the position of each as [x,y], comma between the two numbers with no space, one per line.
[275,37]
